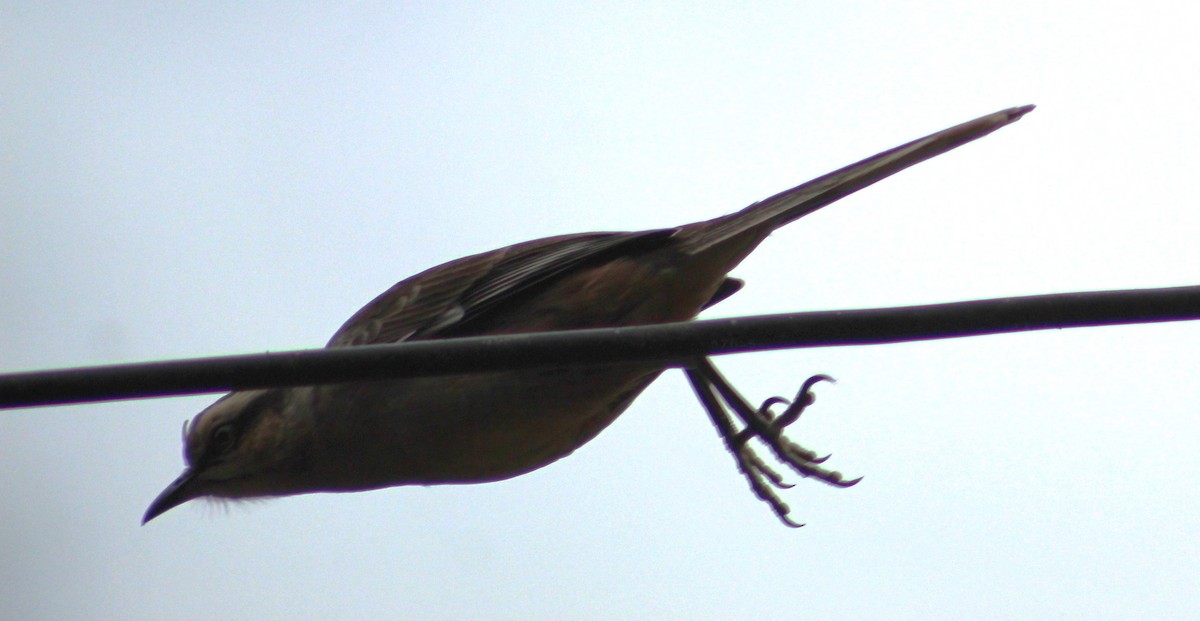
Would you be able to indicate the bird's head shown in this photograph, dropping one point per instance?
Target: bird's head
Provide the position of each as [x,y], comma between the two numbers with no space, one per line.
[241,446]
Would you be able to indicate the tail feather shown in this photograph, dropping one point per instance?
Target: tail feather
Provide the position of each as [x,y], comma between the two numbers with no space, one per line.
[790,205]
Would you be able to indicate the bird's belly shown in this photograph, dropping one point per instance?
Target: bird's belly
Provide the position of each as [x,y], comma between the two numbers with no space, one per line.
[469,428]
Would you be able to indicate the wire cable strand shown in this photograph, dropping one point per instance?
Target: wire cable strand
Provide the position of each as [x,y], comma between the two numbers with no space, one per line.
[671,344]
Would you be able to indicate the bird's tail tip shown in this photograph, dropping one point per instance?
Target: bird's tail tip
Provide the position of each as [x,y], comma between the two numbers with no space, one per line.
[1017,112]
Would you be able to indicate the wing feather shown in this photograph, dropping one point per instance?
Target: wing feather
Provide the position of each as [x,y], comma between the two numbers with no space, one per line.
[447,299]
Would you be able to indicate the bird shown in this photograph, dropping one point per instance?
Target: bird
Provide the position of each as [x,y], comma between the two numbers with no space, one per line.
[489,426]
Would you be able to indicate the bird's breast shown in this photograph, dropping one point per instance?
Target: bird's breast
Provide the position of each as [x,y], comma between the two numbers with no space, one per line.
[467,428]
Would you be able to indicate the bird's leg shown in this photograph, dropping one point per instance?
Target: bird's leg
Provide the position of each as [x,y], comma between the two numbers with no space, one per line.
[712,389]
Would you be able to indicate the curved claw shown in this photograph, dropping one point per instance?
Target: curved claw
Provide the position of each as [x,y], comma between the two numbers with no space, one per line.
[816,379]
[790,523]
[764,410]
[779,483]
[803,399]
[850,483]
[820,460]
[756,465]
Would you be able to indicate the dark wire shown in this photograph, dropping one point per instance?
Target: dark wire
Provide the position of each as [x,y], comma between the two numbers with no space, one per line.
[669,344]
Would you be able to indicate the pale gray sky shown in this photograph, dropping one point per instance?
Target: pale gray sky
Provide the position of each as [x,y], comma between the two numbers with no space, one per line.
[229,177]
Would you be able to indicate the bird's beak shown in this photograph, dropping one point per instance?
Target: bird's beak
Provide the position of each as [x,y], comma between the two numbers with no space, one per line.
[178,492]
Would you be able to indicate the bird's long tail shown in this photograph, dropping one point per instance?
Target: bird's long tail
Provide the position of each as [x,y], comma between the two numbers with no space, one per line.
[790,205]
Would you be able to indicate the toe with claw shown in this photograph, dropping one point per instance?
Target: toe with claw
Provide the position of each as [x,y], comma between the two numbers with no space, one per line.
[720,398]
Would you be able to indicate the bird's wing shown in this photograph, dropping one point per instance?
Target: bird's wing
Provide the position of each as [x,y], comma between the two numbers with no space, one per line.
[444,300]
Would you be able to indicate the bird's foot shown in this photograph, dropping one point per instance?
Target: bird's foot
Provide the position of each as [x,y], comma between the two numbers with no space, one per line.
[720,398]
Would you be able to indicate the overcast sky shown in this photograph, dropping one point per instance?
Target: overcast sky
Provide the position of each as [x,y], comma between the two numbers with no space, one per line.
[224,178]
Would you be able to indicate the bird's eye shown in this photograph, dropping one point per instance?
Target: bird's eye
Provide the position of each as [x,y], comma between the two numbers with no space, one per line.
[222,440]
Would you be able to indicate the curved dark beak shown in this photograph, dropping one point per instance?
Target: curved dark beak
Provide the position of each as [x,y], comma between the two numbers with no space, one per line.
[178,492]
